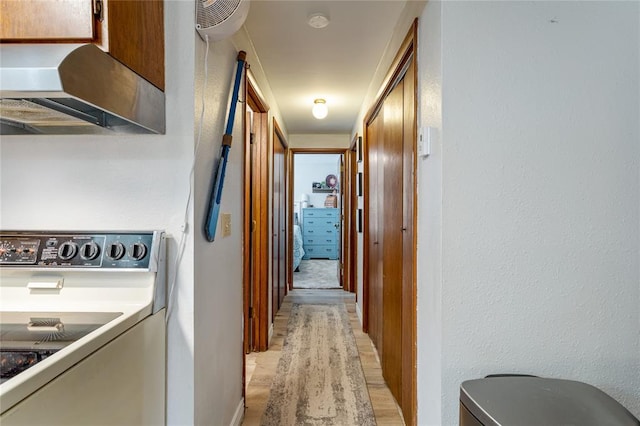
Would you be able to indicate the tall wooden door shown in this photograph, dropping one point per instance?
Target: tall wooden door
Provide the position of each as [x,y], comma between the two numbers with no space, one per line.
[390,238]
[375,195]
[389,224]
[279,224]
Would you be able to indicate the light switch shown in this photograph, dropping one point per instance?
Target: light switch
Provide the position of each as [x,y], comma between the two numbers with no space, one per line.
[225,218]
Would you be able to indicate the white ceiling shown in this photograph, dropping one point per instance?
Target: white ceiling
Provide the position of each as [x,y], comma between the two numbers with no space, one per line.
[336,63]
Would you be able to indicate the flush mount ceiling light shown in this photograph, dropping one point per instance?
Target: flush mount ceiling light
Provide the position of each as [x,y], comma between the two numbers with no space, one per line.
[318,20]
[319,109]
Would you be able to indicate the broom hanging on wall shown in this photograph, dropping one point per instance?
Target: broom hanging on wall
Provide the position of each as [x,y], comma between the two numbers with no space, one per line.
[215,197]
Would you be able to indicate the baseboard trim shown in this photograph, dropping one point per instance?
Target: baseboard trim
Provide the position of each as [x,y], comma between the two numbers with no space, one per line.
[270,333]
[359,314]
[239,414]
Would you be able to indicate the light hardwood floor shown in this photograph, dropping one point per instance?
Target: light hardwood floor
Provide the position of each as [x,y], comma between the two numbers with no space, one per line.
[261,367]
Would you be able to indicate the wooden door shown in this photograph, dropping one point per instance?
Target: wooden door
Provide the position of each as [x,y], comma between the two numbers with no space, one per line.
[256,221]
[350,216]
[279,223]
[390,243]
[340,223]
[375,197]
[248,241]
[390,225]
[409,260]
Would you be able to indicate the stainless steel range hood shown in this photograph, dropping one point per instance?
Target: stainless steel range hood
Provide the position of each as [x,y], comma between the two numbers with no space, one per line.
[74,89]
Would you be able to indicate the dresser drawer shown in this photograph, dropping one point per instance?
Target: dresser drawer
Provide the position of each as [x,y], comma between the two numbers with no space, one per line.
[315,231]
[321,251]
[320,221]
[321,239]
[318,213]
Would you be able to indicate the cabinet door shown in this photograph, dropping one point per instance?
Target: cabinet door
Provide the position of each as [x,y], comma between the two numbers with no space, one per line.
[46,20]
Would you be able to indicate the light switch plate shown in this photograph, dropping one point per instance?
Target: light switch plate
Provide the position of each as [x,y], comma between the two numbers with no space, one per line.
[225,219]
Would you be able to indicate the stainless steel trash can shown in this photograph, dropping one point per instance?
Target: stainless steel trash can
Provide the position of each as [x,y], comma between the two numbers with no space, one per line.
[536,401]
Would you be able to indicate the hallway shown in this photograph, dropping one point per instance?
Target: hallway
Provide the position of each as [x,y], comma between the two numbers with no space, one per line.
[261,367]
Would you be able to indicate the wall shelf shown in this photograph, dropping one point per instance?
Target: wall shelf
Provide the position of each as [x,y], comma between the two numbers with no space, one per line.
[325,190]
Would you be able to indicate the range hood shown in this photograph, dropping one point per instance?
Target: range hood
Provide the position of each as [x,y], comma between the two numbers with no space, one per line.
[74,89]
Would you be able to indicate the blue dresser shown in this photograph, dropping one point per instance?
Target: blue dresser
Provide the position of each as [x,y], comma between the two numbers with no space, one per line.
[320,234]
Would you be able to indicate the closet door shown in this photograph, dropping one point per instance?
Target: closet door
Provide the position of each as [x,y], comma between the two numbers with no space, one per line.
[408,246]
[392,260]
[391,239]
[376,202]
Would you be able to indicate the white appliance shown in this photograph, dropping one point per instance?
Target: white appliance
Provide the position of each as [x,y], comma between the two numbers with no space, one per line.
[82,328]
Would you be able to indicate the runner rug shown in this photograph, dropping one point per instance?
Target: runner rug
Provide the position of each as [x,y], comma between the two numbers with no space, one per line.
[319,379]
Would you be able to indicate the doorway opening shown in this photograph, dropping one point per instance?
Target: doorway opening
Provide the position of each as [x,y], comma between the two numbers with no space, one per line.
[318,189]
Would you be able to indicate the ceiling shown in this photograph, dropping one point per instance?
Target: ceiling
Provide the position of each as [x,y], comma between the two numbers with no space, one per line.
[335,63]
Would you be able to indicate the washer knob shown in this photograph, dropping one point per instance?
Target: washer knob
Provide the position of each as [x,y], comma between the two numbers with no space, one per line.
[89,251]
[138,251]
[67,250]
[115,251]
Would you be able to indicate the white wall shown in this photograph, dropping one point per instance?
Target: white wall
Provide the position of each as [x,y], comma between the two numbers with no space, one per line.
[218,265]
[309,168]
[539,197]
[319,141]
[429,202]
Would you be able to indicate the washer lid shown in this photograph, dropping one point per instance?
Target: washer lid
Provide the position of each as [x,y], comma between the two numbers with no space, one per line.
[534,401]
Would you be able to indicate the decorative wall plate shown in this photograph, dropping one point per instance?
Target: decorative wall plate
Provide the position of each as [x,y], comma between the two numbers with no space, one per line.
[331,181]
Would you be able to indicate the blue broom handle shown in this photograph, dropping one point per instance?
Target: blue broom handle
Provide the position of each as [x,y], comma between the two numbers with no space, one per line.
[236,87]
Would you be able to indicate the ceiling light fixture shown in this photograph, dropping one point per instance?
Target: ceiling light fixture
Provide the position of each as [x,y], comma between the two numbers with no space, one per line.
[319,109]
[318,20]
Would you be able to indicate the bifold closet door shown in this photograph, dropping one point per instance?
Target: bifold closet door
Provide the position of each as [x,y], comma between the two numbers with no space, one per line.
[391,225]
[376,202]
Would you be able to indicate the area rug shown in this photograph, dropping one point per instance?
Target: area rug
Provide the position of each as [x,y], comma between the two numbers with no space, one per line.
[316,273]
[319,379]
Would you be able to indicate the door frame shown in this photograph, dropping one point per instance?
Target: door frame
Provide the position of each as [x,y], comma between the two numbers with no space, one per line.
[278,136]
[347,224]
[255,237]
[351,245]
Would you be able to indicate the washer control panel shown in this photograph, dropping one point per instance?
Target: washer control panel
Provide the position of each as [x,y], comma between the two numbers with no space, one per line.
[76,249]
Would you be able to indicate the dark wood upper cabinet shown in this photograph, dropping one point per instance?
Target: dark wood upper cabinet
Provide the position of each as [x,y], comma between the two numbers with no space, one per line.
[131,31]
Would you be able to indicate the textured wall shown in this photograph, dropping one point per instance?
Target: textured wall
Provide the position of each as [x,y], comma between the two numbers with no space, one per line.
[429,179]
[218,265]
[309,168]
[319,141]
[540,197]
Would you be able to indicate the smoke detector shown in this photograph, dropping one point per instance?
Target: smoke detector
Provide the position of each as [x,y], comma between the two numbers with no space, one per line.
[318,20]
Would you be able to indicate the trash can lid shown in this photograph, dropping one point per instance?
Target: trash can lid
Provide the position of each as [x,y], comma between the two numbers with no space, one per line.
[524,401]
